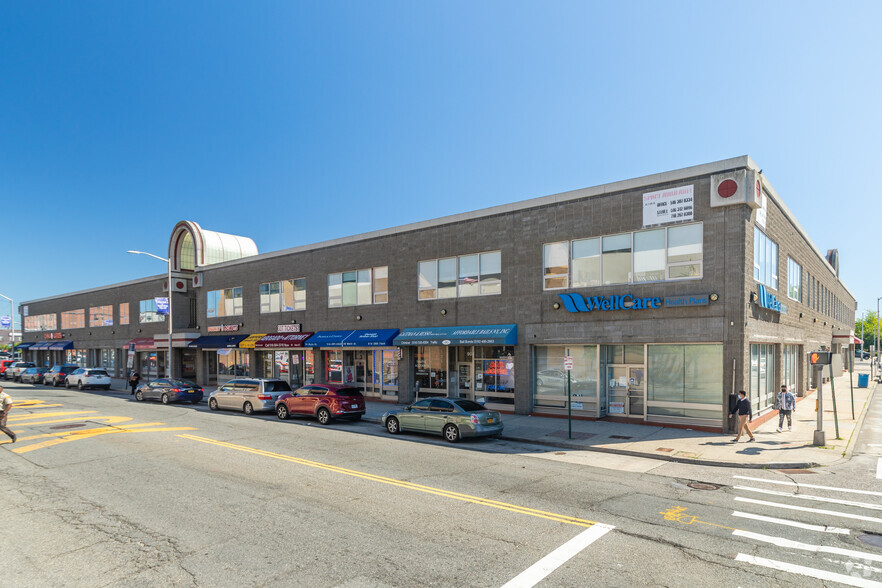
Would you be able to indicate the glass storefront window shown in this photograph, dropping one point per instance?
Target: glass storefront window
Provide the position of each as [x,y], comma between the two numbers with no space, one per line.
[430,370]
[233,363]
[550,378]
[390,372]
[762,391]
[334,366]
[494,375]
[108,360]
[687,375]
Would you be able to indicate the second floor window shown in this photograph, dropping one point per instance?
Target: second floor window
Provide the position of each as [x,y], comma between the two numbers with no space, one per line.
[765,259]
[147,312]
[101,316]
[226,302]
[794,280]
[479,274]
[358,287]
[73,319]
[285,295]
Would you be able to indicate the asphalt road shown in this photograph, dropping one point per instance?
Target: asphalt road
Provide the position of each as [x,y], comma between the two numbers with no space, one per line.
[101,490]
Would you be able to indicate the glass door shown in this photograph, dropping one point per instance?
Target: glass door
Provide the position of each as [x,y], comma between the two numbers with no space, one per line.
[635,391]
[617,389]
[464,379]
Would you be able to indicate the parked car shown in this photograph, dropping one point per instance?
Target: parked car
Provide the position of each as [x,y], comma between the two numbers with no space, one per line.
[4,364]
[325,402]
[33,375]
[454,418]
[861,354]
[169,390]
[13,372]
[248,395]
[88,378]
[57,373]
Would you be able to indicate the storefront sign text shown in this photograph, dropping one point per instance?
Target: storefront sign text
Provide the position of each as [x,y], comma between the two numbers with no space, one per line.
[770,301]
[665,206]
[687,300]
[292,328]
[222,328]
[53,335]
[579,303]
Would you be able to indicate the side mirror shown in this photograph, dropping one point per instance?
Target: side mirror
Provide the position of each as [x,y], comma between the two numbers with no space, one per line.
[408,408]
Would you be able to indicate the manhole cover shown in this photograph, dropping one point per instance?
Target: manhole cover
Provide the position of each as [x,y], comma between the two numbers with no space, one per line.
[871,539]
[702,486]
[70,426]
[619,437]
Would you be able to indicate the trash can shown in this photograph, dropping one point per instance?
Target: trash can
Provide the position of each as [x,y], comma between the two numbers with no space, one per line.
[863,380]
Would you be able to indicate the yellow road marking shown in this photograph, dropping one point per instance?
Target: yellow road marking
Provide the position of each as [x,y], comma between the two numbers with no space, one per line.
[108,420]
[26,417]
[678,514]
[401,484]
[88,433]
[36,404]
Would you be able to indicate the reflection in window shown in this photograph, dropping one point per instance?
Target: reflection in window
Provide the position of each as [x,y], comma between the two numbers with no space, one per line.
[101,316]
[649,256]
[226,302]
[73,319]
[586,263]
[794,280]
[124,313]
[554,257]
[765,259]
[616,259]
[147,312]
[283,296]
[479,274]
[358,287]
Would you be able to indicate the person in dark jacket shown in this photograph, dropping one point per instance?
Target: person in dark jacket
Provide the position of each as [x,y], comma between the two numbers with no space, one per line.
[745,416]
[134,379]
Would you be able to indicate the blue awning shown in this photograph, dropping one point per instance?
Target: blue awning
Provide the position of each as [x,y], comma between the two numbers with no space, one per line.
[24,345]
[61,345]
[41,345]
[217,341]
[363,338]
[474,335]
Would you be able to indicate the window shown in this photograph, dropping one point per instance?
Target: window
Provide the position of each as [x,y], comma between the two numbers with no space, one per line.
[654,255]
[794,280]
[226,302]
[40,322]
[358,287]
[765,259]
[685,381]
[73,319]
[147,312]
[478,274]
[283,296]
[101,316]
[124,313]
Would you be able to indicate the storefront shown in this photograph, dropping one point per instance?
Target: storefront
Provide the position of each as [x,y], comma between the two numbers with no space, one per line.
[480,358]
[223,360]
[149,362]
[366,359]
[282,356]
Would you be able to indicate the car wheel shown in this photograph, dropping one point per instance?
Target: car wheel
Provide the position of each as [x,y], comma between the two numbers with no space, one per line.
[451,433]
[139,395]
[164,399]
[539,383]
[212,404]
[393,426]
[80,385]
[67,384]
[247,408]
[323,415]
[282,411]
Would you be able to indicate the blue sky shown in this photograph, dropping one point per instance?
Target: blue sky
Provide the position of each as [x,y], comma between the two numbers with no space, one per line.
[294,122]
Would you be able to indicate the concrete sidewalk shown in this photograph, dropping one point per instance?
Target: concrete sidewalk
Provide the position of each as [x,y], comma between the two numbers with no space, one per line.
[770,450]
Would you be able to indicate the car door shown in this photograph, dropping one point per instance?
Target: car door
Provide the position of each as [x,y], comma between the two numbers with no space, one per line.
[75,376]
[300,402]
[223,394]
[154,389]
[414,419]
[437,416]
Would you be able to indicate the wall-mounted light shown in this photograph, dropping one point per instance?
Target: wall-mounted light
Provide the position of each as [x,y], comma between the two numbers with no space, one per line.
[139,330]
[825,323]
[814,320]
[443,311]
[556,305]
[358,317]
[714,297]
[753,297]
[241,324]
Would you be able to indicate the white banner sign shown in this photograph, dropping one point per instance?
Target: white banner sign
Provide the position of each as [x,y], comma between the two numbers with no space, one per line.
[667,206]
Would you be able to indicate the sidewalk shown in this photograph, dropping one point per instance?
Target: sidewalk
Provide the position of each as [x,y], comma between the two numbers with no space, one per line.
[787,450]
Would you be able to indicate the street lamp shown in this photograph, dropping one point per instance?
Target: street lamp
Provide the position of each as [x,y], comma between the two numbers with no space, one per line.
[170,327]
[11,325]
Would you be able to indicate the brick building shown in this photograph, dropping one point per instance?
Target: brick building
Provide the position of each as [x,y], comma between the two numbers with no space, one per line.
[668,291]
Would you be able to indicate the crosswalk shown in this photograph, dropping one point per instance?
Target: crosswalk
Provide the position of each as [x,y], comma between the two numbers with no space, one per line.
[818,542]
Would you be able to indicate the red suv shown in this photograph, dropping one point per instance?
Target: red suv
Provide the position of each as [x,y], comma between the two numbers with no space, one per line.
[323,401]
[5,363]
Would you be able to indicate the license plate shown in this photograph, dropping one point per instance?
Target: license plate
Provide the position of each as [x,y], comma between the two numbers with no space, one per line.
[489,421]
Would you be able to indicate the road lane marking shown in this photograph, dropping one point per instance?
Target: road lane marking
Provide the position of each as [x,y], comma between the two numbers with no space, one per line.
[821,528]
[812,486]
[879,469]
[834,513]
[806,571]
[791,544]
[811,497]
[542,568]
[78,435]
[26,417]
[107,419]
[19,404]
[401,483]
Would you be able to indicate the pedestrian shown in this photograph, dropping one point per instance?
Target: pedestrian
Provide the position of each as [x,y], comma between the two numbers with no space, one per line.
[745,416]
[786,404]
[5,407]
[134,379]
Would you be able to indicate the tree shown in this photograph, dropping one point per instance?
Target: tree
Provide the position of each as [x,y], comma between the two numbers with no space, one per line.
[867,326]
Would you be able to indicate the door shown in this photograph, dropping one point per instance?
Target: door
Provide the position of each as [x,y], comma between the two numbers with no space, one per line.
[436,418]
[617,389]
[635,391]
[415,419]
[464,380]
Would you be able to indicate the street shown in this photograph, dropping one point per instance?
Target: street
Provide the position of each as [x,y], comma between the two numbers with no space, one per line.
[102,490]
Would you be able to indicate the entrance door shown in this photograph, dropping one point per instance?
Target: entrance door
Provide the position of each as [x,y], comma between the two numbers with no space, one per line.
[625,390]
[635,391]
[464,379]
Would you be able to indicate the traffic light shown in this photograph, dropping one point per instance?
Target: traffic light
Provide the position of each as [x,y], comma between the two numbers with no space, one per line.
[820,357]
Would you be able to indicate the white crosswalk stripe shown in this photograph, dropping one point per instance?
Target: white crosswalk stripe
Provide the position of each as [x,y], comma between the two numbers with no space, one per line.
[810,497]
[806,571]
[812,486]
[765,519]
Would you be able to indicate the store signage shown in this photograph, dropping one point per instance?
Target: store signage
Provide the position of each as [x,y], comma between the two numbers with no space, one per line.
[292,328]
[770,301]
[223,328]
[666,206]
[53,335]
[5,322]
[687,300]
[579,303]
[161,305]
[616,408]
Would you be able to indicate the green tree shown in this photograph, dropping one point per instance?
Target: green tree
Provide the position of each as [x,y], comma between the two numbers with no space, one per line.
[867,325]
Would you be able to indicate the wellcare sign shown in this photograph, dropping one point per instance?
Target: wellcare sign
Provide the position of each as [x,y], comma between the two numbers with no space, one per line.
[579,303]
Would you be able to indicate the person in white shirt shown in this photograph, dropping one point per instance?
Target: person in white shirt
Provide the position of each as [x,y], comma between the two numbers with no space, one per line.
[5,407]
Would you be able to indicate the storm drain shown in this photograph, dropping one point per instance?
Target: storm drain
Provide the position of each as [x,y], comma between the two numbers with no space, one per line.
[702,486]
[873,539]
[70,426]
[797,471]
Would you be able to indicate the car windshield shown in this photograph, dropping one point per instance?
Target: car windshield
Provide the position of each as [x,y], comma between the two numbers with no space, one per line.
[468,405]
[97,373]
[182,383]
[277,387]
[348,392]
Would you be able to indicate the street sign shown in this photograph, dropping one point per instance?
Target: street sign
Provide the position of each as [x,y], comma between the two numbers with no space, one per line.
[5,322]
[568,363]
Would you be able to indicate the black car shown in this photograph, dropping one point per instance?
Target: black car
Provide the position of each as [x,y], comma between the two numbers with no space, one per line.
[169,390]
[56,375]
[33,375]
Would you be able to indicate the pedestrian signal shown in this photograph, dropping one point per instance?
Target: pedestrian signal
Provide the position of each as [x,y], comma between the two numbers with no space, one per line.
[820,357]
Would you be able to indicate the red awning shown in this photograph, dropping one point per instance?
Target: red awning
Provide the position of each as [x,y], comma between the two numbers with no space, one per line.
[857,340]
[141,344]
[282,340]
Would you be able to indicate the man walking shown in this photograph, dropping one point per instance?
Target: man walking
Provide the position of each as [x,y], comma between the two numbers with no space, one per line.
[745,415]
[5,407]
[786,405]
[134,379]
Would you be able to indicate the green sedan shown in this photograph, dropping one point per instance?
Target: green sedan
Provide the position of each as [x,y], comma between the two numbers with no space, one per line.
[454,418]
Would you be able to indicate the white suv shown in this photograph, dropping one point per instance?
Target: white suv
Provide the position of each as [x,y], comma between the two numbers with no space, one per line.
[88,378]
